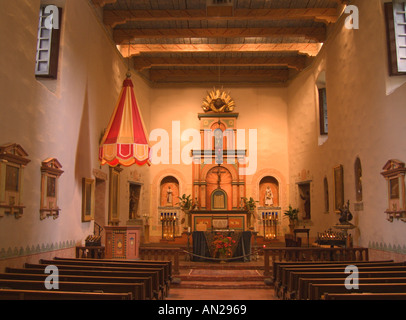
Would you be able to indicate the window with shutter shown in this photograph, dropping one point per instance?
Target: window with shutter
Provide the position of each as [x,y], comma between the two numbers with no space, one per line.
[395,13]
[47,45]
[399,13]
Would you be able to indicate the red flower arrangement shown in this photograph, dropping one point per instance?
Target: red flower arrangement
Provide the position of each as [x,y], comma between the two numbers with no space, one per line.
[223,245]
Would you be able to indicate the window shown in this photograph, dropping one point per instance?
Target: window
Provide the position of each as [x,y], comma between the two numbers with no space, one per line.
[396,36]
[323,111]
[322,100]
[48,40]
[358,180]
[326,196]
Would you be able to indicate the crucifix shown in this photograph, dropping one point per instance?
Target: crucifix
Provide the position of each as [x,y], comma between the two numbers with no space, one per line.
[219,172]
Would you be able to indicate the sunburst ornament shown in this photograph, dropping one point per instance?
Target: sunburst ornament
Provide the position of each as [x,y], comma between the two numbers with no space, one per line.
[218,101]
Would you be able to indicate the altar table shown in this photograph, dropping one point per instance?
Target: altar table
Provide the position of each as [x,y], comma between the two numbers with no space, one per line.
[201,246]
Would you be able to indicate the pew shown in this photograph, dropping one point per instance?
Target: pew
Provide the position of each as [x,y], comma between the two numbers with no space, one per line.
[15,294]
[277,265]
[316,291]
[163,276]
[298,290]
[364,296]
[94,271]
[147,281]
[282,287]
[167,265]
[136,289]
[305,283]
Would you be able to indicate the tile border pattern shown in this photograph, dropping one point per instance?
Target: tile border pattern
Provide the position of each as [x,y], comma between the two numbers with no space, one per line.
[30,250]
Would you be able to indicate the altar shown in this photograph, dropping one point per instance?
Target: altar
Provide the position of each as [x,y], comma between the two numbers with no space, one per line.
[207,220]
[203,249]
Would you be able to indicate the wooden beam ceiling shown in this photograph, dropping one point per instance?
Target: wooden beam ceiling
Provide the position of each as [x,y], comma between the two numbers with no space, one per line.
[256,41]
[121,36]
[113,18]
[310,49]
[295,62]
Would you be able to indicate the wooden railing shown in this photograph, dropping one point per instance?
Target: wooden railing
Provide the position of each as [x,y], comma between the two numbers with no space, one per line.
[163,254]
[312,254]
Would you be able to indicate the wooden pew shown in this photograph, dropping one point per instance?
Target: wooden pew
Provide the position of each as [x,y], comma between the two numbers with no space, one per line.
[300,291]
[316,291]
[163,277]
[305,285]
[167,265]
[15,294]
[147,281]
[364,296]
[94,271]
[277,265]
[339,267]
[136,289]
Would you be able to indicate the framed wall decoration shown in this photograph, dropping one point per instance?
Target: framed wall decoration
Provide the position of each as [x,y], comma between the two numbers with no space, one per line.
[13,160]
[394,173]
[51,170]
[88,187]
[338,188]
[114,195]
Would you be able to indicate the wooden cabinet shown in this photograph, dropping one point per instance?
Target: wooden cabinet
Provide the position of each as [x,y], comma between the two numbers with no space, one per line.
[122,242]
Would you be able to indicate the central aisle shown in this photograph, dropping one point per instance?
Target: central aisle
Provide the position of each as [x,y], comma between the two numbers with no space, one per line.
[217,281]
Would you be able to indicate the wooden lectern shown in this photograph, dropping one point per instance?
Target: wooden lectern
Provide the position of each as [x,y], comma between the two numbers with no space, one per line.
[122,242]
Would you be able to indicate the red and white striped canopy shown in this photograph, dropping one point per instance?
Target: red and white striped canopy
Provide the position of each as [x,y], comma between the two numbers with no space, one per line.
[125,141]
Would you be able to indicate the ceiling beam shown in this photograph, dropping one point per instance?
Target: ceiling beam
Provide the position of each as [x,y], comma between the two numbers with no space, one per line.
[102,3]
[295,62]
[113,18]
[310,49]
[317,34]
[181,75]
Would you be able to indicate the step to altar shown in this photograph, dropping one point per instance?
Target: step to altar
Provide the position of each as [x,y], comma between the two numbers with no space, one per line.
[221,277]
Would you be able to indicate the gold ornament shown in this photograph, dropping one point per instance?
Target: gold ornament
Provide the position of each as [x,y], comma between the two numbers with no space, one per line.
[218,101]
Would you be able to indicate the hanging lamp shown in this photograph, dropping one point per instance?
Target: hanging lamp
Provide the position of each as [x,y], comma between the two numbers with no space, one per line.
[125,141]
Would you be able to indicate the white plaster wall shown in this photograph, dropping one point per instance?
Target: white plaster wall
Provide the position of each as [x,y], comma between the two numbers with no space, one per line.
[61,118]
[363,121]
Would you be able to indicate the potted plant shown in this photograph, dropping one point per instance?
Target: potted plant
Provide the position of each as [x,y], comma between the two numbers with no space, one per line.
[186,204]
[293,216]
[223,246]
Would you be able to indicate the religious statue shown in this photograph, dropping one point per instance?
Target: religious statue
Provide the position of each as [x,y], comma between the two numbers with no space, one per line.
[133,205]
[345,214]
[268,197]
[169,195]
[306,198]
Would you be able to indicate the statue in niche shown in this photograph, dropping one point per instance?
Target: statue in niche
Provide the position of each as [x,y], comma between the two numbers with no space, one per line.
[268,197]
[345,214]
[169,195]
[306,198]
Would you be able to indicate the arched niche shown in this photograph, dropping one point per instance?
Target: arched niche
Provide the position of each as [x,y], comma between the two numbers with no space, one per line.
[219,178]
[169,192]
[269,192]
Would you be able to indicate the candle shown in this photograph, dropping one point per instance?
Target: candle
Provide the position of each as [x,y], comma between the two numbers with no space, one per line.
[188,229]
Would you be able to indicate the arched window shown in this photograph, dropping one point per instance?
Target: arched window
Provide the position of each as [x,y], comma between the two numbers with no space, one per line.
[358,179]
[322,94]
[326,196]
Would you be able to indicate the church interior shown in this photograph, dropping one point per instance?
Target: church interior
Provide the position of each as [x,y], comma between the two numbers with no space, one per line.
[238,149]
